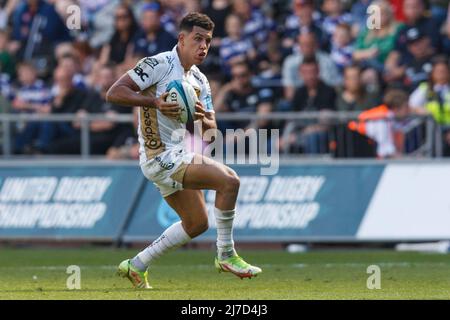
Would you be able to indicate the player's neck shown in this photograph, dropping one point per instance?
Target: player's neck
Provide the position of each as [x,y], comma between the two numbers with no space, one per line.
[186,66]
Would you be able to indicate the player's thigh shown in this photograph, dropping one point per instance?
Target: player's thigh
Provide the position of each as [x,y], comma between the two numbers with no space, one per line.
[190,206]
[205,173]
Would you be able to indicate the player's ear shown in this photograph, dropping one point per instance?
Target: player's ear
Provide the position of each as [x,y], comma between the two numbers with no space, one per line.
[181,36]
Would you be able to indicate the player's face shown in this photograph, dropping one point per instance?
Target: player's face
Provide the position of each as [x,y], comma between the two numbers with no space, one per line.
[196,44]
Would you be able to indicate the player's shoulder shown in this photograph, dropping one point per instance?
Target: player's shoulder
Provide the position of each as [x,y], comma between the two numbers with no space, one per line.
[159,60]
[200,76]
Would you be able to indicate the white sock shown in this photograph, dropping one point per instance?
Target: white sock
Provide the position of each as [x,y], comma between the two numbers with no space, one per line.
[224,224]
[172,238]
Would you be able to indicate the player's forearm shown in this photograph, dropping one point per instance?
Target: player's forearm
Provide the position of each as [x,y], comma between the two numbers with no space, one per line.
[124,96]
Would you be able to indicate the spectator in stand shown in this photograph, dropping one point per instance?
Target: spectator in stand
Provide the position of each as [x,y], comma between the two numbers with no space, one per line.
[416,17]
[7,68]
[63,49]
[126,145]
[397,8]
[7,7]
[5,103]
[58,137]
[445,40]
[125,28]
[218,11]
[314,96]
[353,95]
[373,45]
[71,100]
[414,66]
[7,63]
[298,20]
[433,97]
[171,13]
[72,64]
[257,28]
[90,9]
[153,38]
[304,19]
[234,48]
[308,49]
[439,10]
[239,95]
[106,133]
[383,124]
[6,90]
[334,16]
[359,15]
[37,29]
[79,59]
[342,46]
[97,20]
[269,70]
[85,56]
[32,96]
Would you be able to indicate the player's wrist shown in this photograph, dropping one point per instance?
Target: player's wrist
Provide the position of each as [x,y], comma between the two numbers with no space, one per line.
[153,103]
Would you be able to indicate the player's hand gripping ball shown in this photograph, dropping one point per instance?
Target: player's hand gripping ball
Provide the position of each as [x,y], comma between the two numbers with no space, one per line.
[183,93]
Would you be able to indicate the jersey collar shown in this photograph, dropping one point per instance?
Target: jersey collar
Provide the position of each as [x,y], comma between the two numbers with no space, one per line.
[177,60]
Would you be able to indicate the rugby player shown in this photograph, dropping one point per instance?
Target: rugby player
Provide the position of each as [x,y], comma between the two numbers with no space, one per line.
[180,175]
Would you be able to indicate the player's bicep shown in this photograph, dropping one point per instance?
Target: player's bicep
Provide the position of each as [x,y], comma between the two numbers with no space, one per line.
[126,81]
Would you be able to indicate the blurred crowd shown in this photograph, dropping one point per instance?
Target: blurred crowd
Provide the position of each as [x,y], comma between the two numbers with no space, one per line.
[266,56]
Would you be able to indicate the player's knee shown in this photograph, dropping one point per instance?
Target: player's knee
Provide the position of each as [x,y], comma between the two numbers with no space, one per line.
[232,182]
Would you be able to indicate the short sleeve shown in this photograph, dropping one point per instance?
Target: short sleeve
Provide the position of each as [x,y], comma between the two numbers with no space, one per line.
[147,72]
[205,96]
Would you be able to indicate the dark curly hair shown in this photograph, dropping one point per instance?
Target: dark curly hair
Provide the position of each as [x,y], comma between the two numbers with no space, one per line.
[196,19]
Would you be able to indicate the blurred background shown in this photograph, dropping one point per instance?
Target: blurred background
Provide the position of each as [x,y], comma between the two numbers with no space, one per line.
[363,115]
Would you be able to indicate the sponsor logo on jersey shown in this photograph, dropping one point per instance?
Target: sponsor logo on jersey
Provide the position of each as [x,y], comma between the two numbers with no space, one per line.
[140,73]
[151,62]
[170,59]
[197,91]
[151,137]
[164,165]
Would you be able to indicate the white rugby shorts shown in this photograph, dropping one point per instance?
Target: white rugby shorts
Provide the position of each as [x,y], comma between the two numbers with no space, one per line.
[167,169]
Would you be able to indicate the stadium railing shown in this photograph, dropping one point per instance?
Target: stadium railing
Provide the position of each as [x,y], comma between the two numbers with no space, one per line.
[422,136]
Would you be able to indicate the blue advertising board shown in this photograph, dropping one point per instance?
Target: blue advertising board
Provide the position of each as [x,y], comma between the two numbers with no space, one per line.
[66,202]
[364,201]
[314,202]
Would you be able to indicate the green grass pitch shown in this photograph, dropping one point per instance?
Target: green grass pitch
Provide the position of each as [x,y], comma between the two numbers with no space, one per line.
[190,274]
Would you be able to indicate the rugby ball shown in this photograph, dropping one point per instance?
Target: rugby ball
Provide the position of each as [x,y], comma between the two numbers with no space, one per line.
[183,93]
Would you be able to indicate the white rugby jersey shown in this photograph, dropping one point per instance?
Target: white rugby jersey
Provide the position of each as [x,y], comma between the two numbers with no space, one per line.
[152,75]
